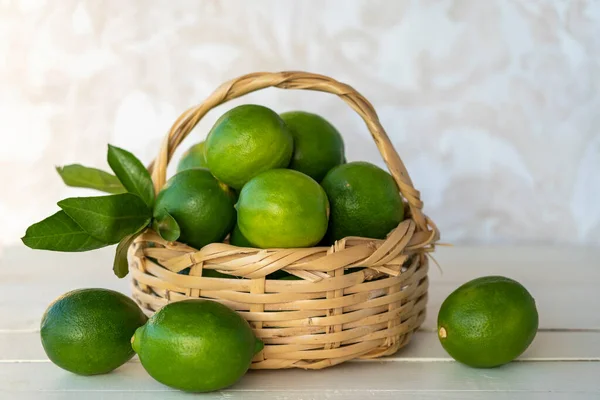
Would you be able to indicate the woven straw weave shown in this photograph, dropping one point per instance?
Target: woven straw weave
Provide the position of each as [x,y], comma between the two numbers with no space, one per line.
[333,314]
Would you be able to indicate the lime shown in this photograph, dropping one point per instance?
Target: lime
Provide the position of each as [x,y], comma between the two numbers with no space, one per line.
[238,239]
[193,158]
[246,141]
[87,331]
[364,201]
[196,345]
[283,208]
[202,206]
[487,322]
[318,146]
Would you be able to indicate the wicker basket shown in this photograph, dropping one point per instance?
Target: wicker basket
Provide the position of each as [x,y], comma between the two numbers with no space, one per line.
[329,316]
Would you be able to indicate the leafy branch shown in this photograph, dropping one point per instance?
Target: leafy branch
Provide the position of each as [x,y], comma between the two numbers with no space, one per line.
[88,223]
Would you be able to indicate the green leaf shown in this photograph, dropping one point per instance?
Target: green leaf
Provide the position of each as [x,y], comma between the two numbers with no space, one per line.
[77,175]
[108,218]
[132,174]
[166,226]
[120,264]
[60,233]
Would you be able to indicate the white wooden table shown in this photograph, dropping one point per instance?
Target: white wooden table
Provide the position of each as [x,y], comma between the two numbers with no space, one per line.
[562,363]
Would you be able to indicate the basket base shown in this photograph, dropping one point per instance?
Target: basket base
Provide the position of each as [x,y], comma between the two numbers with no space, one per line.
[347,315]
[378,352]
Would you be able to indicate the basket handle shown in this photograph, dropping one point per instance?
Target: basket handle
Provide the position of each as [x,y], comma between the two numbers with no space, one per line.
[292,80]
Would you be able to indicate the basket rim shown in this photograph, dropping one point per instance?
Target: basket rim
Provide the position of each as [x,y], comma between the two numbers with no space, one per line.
[309,263]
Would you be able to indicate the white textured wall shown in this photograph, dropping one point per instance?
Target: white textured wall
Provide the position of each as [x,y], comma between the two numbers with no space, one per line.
[494,105]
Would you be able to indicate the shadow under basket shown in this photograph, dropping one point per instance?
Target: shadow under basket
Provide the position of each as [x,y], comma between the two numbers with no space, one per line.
[360,298]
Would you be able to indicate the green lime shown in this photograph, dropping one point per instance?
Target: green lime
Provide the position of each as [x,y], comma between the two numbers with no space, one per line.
[364,201]
[87,331]
[196,345]
[318,146]
[202,206]
[238,239]
[283,208]
[246,141]
[487,322]
[193,158]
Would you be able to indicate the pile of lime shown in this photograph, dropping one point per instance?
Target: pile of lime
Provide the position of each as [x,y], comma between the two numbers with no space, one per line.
[295,187]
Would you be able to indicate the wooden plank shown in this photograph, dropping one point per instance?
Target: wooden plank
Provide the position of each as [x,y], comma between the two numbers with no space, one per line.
[546,264]
[557,277]
[548,346]
[303,395]
[351,381]
[30,280]
[424,346]
[559,306]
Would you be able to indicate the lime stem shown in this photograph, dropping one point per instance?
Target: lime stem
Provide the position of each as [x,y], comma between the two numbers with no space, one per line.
[443,333]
